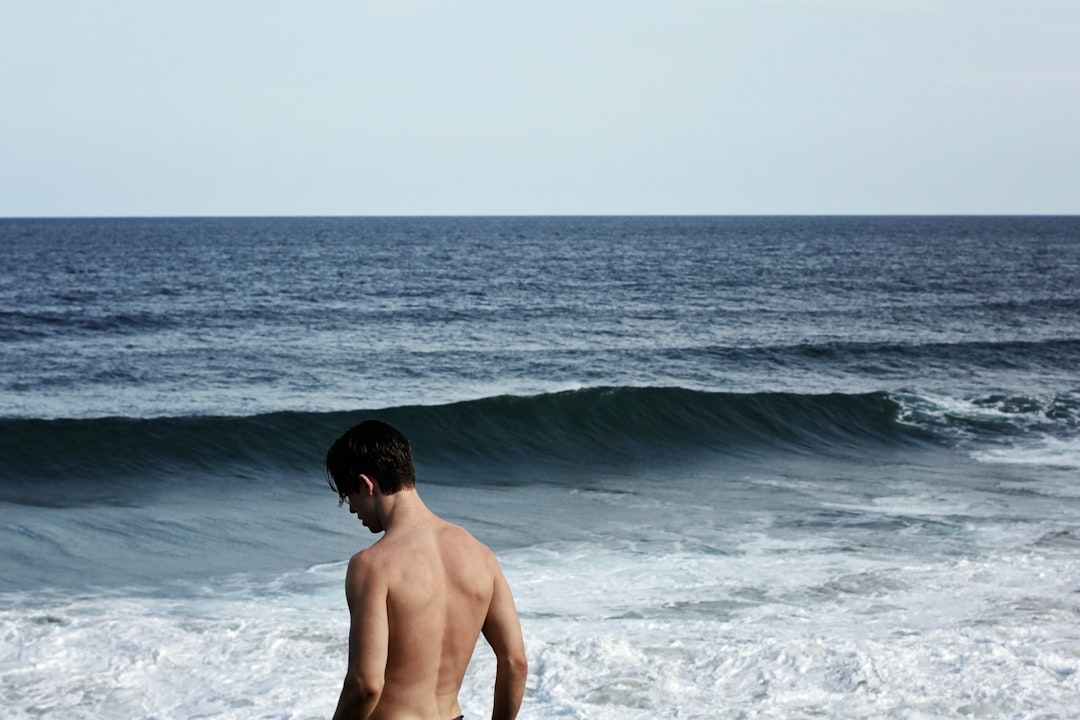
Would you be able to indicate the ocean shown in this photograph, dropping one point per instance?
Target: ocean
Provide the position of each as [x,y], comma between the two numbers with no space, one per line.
[733,467]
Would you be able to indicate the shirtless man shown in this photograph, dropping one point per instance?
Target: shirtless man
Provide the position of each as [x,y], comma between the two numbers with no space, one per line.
[419,597]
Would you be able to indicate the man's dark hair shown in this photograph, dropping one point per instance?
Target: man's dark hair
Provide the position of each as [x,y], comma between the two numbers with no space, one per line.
[371,448]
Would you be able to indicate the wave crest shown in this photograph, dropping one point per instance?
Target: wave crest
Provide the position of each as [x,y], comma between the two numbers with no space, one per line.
[586,426]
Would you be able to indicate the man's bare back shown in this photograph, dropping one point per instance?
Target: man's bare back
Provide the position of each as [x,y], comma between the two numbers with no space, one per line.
[419,599]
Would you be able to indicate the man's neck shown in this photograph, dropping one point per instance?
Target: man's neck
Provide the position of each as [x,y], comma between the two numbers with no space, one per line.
[404,509]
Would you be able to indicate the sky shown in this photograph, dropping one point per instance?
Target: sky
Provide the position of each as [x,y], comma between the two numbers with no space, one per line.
[539,107]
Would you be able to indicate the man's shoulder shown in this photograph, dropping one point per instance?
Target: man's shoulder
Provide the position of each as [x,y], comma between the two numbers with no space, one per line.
[364,577]
[457,536]
[467,556]
[456,532]
[367,560]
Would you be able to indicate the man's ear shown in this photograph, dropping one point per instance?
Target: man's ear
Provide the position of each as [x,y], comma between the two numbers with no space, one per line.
[368,483]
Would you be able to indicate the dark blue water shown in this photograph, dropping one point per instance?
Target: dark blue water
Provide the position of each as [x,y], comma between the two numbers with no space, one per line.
[238,316]
[780,466]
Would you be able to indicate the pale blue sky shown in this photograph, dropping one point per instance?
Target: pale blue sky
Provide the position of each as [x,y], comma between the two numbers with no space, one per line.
[257,107]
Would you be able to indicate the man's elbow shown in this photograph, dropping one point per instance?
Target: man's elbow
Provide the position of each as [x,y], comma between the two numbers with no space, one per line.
[516,664]
[363,689]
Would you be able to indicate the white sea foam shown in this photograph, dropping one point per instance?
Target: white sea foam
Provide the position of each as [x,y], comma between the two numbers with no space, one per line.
[1029,433]
[794,635]
[1046,451]
[772,629]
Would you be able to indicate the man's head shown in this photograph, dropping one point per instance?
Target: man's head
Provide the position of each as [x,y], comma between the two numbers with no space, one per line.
[376,450]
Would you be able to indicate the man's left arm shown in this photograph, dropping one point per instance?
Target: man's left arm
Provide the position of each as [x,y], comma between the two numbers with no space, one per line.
[502,630]
[369,634]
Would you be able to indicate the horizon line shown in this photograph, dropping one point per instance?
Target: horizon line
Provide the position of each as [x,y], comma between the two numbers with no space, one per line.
[198,216]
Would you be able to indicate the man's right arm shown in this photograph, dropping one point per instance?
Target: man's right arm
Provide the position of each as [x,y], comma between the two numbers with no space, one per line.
[368,641]
[502,630]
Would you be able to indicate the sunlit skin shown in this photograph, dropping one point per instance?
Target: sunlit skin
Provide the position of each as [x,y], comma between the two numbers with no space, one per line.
[419,598]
